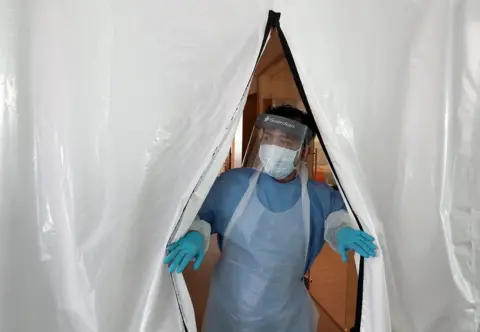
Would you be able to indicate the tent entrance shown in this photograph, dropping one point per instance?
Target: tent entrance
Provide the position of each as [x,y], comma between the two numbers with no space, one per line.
[275,80]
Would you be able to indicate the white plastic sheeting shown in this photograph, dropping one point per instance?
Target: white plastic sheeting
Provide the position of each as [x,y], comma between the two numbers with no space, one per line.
[112,111]
[395,88]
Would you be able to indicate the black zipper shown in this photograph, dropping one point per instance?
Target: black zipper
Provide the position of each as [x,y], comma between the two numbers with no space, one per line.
[303,95]
[271,23]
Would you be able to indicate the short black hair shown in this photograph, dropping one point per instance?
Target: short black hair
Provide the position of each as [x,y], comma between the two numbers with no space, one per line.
[293,113]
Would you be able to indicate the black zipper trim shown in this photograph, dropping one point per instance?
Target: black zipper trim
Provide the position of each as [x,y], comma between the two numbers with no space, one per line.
[272,21]
[303,95]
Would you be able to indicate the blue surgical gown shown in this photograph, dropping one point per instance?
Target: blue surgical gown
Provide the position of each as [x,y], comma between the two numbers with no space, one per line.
[229,188]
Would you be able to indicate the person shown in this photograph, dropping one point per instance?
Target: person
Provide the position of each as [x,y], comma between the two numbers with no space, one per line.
[271,222]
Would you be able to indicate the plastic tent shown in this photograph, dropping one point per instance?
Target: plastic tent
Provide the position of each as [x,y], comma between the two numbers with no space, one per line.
[115,117]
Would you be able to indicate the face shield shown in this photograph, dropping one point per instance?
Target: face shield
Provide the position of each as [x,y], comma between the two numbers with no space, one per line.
[277,146]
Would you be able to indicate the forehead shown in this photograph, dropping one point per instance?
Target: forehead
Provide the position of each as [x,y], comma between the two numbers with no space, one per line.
[277,133]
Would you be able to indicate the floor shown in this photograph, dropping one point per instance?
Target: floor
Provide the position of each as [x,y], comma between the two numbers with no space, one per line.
[333,287]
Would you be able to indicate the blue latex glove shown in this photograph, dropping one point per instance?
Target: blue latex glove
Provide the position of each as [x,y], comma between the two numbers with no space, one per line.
[185,250]
[358,241]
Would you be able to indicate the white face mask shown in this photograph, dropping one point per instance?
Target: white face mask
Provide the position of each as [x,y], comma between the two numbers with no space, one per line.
[277,162]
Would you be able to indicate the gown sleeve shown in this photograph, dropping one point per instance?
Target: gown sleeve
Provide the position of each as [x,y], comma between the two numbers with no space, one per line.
[203,228]
[220,203]
[336,219]
[327,207]
[334,222]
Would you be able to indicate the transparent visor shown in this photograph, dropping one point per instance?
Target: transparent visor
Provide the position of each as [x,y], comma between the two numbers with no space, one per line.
[277,146]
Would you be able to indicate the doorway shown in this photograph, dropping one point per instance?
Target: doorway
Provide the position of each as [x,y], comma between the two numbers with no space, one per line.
[332,284]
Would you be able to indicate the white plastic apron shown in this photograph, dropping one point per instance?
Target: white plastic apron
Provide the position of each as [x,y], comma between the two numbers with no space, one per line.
[257,284]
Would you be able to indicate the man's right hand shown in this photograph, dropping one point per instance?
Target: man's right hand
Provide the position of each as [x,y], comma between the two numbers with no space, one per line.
[185,250]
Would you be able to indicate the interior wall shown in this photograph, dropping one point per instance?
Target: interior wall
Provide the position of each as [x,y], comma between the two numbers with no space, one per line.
[334,286]
[198,282]
[249,117]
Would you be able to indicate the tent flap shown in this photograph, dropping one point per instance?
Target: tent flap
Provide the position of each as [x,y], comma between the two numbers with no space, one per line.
[110,113]
[392,89]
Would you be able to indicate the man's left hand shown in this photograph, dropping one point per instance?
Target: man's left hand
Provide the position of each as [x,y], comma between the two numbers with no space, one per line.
[358,241]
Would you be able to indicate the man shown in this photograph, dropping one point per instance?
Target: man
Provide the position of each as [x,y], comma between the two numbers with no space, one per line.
[271,222]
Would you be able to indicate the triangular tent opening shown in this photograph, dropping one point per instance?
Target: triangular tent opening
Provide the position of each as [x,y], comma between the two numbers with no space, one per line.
[275,81]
